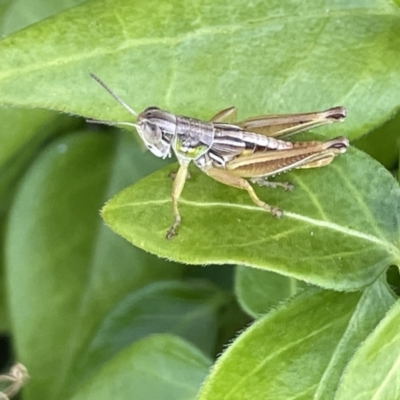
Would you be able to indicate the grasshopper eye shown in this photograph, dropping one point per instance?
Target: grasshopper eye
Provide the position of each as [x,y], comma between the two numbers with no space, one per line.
[151,133]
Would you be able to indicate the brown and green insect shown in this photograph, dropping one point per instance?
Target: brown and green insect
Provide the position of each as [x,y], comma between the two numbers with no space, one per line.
[234,153]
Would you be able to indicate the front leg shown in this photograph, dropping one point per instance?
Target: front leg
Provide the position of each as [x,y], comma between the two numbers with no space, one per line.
[230,179]
[177,187]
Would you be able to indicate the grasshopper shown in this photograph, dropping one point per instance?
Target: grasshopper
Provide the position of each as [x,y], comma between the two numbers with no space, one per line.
[233,153]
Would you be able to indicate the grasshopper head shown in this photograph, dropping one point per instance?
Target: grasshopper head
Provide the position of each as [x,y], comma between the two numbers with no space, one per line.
[156,128]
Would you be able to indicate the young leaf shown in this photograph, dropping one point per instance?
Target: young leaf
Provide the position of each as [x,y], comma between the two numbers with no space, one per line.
[20,13]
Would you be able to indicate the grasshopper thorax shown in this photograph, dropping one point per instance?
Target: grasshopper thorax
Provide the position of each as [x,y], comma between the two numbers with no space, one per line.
[157,129]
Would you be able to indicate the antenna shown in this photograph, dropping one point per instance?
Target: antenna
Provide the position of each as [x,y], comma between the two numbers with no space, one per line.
[110,123]
[120,101]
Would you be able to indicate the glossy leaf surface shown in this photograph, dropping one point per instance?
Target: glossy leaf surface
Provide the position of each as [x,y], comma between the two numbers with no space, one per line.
[198,57]
[337,231]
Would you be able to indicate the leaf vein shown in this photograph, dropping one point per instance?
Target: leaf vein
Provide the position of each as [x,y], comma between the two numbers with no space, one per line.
[280,351]
[312,221]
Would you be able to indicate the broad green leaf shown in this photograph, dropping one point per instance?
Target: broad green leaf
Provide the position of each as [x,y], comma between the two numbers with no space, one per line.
[19,127]
[200,56]
[20,13]
[371,309]
[23,130]
[338,230]
[161,367]
[22,133]
[290,352]
[65,269]
[373,373]
[187,310]
[258,291]
[4,6]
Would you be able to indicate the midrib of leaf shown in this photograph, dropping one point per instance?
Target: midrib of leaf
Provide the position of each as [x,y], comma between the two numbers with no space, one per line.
[391,249]
[227,29]
[261,365]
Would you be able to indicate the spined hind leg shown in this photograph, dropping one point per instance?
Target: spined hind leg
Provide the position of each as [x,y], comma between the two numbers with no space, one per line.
[230,179]
[263,181]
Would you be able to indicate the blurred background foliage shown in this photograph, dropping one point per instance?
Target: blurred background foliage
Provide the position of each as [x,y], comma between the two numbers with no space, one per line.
[56,173]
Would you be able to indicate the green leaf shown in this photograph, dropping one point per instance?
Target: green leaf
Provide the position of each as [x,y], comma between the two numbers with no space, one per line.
[258,291]
[22,134]
[20,13]
[338,230]
[186,310]
[264,57]
[371,309]
[20,127]
[298,350]
[161,367]
[373,373]
[22,130]
[65,269]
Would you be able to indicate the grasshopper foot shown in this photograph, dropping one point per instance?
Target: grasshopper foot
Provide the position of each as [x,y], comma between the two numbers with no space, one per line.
[276,212]
[265,182]
[171,233]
